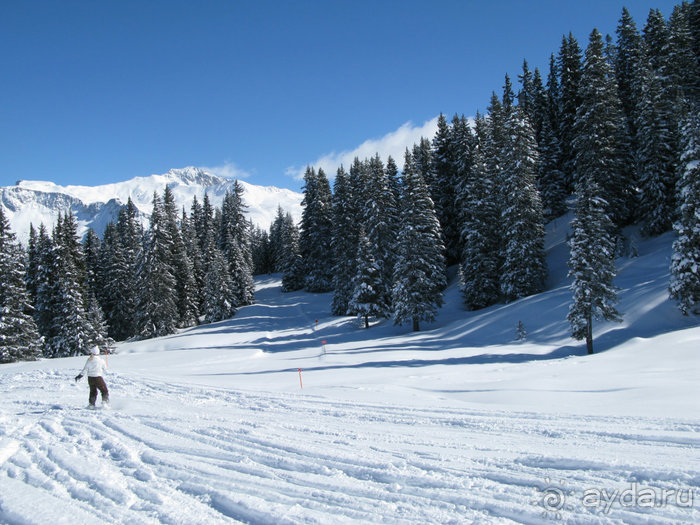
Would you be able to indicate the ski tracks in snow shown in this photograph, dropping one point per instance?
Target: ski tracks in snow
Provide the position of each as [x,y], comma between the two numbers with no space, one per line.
[188,454]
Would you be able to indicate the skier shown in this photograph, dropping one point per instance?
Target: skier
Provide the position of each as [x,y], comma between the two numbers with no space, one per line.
[95,368]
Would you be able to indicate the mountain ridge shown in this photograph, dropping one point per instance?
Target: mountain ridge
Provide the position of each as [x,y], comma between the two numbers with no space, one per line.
[36,202]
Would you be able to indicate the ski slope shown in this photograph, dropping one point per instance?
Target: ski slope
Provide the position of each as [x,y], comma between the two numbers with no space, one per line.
[459,423]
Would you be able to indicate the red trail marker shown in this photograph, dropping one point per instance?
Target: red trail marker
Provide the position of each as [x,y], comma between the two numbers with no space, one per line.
[300,383]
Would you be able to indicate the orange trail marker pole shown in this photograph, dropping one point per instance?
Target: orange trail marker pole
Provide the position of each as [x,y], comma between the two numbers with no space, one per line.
[300,383]
[323,343]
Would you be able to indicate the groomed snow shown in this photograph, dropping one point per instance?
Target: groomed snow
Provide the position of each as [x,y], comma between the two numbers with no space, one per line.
[459,423]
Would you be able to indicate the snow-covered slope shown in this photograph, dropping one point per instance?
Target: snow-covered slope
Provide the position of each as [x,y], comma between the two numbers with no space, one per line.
[459,423]
[34,202]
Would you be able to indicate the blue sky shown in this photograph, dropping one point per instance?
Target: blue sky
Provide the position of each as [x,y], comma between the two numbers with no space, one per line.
[102,91]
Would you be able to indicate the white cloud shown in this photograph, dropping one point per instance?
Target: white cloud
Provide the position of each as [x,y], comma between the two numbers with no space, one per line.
[392,144]
[228,170]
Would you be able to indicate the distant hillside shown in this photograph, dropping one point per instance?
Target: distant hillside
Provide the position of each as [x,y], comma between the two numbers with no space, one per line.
[36,202]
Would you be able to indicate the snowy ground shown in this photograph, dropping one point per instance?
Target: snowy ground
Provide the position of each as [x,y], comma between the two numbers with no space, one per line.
[459,423]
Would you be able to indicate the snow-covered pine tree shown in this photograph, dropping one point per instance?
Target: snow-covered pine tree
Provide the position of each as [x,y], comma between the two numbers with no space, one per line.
[183,270]
[656,155]
[45,302]
[344,242]
[523,269]
[194,253]
[600,142]
[685,262]
[317,231]
[235,239]
[19,336]
[261,251]
[551,179]
[627,72]
[527,95]
[683,70]
[419,274]
[443,187]
[591,263]
[570,71]
[277,240]
[157,312]
[368,294]
[31,271]
[71,331]
[380,219]
[91,251]
[122,244]
[219,301]
[293,277]
[479,267]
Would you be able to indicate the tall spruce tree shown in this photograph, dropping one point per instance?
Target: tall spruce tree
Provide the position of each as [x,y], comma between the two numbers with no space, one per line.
[523,269]
[419,274]
[183,270]
[443,188]
[71,330]
[591,263]
[479,266]
[317,231]
[570,71]
[685,262]
[343,243]
[600,142]
[368,287]
[19,336]
[235,239]
[157,313]
[380,221]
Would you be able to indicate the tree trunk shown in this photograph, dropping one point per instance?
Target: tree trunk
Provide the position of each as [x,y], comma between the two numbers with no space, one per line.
[416,328]
[366,321]
[589,333]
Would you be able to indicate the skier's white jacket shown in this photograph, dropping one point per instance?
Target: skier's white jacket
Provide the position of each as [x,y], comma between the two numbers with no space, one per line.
[94,367]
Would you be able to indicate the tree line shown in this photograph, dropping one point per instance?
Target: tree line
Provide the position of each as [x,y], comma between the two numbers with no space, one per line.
[613,130]
[64,296]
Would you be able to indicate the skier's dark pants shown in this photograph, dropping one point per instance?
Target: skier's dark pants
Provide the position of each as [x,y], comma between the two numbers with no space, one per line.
[97,383]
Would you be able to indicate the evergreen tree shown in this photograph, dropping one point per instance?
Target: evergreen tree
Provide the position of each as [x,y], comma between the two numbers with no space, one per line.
[316,231]
[523,270]
[368,295]
[183,270]
[219,296]
[261,251]
[479,266]
[19,336]
[344,242]
[570,71]
[628,61]
[235,240]
[157,313]
[33,262]
[91,251]
[419,274]
[444,185]
[656,155]
[600,145]
[71,331]
[685,262]
[591,263]
[194,253]
[380,222]
[45,302]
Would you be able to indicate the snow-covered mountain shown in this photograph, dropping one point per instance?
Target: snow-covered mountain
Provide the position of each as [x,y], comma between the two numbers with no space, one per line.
[36,202]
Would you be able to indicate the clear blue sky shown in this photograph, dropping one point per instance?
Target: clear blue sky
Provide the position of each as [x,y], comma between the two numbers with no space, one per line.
[100,91]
